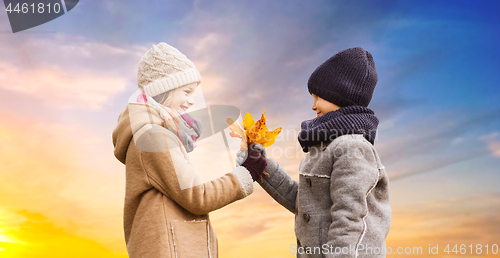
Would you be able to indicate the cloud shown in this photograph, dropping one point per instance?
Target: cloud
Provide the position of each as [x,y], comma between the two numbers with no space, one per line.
[390,106]
[61,88]
[63,173]
[269,58]
[492,142]
[258,61]
[39,237]
[490,137]
[472,220]
[469,220]
[271,227]
[277,68]
[252,56]
[427,143]
[67,71]
[210,41]
[495,149]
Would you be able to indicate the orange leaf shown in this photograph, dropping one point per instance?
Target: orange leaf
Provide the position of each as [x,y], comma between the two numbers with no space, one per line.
[257,132]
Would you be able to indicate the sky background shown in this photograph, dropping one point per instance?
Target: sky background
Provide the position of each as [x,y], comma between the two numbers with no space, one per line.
[64,83]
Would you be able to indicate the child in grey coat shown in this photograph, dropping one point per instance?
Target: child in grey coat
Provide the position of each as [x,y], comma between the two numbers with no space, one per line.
[341,201]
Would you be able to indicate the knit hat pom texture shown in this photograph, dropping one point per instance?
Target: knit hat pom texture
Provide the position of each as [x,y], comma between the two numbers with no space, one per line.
[165,68]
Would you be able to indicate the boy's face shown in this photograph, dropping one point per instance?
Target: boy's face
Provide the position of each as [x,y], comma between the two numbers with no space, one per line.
[322,106]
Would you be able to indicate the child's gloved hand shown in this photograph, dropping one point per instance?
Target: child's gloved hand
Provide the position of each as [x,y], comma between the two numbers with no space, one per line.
[260,148]
[255,163]
[242,155]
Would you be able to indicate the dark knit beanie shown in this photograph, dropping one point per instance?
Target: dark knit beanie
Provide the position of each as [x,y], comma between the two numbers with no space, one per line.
[347,78]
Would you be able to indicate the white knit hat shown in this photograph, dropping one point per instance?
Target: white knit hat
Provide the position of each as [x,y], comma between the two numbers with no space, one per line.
[165,68]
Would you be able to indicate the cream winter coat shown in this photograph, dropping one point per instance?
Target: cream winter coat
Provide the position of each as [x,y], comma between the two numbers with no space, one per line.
[166,203]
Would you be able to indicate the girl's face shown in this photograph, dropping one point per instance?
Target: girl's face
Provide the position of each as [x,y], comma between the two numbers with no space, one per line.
[322,106]
[182,97]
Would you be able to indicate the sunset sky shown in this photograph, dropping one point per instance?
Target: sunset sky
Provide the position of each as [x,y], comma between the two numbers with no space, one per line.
[64,83]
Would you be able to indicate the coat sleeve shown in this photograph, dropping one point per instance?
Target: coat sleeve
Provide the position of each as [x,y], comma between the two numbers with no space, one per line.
[168,170]
[353,177]
[280,185]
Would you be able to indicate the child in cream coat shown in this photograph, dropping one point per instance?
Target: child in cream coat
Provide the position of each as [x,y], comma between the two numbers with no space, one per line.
[167,205]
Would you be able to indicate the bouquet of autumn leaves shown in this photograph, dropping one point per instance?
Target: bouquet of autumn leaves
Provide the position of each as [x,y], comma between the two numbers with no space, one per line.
[253,132]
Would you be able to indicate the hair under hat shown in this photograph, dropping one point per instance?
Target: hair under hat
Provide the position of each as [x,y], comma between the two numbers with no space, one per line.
[347,78]
[164,68]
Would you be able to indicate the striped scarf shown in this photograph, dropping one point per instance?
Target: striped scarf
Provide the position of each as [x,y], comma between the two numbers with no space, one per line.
[178,122]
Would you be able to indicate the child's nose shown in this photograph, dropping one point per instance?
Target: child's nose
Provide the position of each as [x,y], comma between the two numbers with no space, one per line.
[191,101]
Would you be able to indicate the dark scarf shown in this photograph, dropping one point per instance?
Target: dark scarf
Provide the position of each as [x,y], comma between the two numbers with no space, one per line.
[346,120]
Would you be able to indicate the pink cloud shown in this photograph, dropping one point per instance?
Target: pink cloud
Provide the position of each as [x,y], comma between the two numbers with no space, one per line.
[67,71]
[61,88]
[494,147]
[492,142]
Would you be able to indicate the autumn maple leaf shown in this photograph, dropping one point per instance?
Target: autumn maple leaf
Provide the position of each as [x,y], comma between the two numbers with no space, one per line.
[253,132]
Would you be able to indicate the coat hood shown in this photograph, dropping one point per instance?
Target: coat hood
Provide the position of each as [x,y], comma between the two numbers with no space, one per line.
[136,119]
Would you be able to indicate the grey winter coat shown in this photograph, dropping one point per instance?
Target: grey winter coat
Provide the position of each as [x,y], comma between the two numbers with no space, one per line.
[341,202]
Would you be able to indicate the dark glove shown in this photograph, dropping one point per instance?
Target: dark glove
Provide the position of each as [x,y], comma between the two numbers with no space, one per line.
[255,163]
[260,148]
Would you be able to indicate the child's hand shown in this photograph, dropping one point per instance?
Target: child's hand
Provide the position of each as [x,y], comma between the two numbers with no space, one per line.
[241,156]
[255,163]
[259,148]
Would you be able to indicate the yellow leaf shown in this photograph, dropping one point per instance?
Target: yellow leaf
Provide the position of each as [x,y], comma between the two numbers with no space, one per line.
[271,137]
[255,132]
[236,130]
[248,121]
